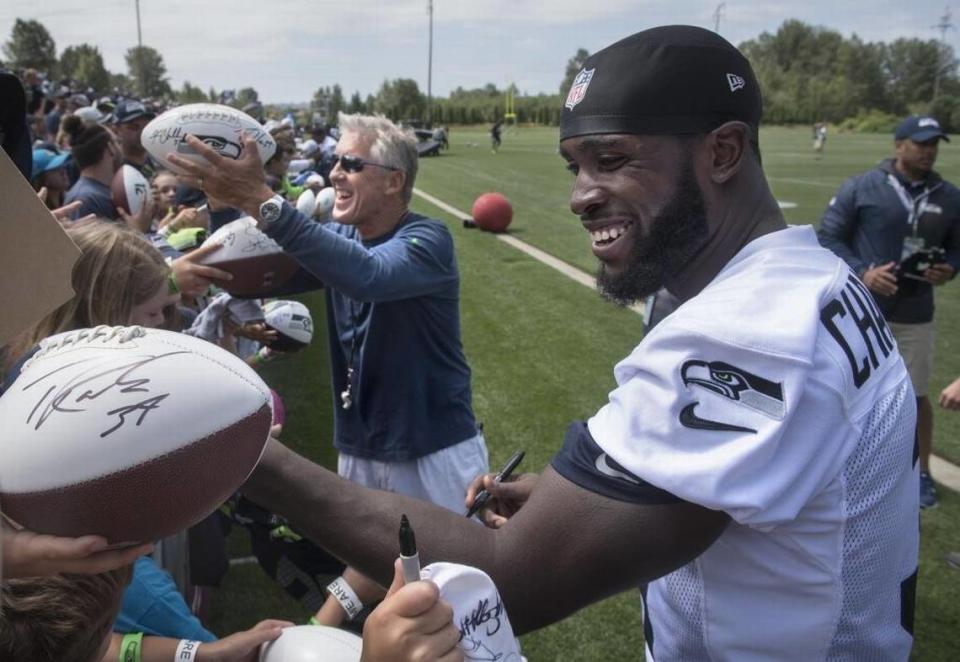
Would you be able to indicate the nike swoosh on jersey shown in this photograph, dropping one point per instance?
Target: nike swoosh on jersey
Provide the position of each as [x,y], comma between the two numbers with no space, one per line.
[604,467]
[689,419]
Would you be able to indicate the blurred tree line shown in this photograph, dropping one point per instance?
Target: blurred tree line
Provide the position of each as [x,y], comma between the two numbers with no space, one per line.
[31,47]
[807,74]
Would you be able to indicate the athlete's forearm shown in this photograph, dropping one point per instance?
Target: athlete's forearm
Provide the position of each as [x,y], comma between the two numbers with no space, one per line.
[566,548]
[360,525]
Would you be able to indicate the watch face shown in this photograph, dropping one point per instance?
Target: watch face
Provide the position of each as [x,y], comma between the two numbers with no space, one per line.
[269,211]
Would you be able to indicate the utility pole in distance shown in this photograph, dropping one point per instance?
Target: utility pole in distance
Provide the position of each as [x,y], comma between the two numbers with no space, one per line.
[143,88]
[943,25]
[717,15]
[430,66]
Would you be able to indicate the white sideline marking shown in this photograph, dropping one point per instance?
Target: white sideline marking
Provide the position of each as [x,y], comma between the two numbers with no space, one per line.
[534,252]
[945,473]
[802,182]
[243,560]
[787,205]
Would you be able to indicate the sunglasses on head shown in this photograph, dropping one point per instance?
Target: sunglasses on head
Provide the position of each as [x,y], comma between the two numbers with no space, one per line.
[351,163]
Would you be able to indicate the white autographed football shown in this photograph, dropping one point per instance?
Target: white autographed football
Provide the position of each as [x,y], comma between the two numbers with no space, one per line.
[129,189]
[217,126]
[292,322]
[250,256]
[313,643]
[129,433]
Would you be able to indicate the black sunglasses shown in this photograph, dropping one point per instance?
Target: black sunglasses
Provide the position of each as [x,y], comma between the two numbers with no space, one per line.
[351,163]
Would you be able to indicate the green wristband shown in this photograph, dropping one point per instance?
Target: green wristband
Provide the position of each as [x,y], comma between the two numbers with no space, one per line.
[313,621]
[172,284]
[131,646]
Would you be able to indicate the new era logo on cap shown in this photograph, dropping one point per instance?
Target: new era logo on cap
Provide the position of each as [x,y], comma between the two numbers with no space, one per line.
[928,121]
[735,82]
[579,88]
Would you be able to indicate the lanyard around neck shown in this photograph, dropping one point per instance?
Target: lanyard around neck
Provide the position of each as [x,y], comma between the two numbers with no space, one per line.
[914,206]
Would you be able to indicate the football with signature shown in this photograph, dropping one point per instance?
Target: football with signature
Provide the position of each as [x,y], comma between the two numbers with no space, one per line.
[217,126]
[129,433]
[129,189]
[256,262]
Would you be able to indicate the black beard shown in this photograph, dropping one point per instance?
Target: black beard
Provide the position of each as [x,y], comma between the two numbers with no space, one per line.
[676,236]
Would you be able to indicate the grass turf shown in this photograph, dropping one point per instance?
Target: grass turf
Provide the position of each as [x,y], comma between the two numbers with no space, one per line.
[542,348]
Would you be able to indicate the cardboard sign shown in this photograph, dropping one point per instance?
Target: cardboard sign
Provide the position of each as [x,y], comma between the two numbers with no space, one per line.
[36,256]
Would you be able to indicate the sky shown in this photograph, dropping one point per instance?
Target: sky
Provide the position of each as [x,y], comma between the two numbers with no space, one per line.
[285,50]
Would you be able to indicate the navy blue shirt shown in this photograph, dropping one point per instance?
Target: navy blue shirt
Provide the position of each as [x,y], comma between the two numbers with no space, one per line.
[865,225]
[398,298]
[51,122]
[94,198]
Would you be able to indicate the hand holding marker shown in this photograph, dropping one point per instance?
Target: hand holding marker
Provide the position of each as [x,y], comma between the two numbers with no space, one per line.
[483,495]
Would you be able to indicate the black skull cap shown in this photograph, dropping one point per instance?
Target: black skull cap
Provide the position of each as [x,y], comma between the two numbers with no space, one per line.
[669,80]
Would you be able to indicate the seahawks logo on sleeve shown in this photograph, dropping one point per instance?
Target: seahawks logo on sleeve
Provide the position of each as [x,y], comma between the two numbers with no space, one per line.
[752,391]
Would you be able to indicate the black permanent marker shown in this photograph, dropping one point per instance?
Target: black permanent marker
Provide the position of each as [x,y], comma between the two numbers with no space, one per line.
[483,496]
[409,558]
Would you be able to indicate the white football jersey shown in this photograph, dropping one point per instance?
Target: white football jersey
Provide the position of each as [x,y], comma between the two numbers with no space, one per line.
[777,395]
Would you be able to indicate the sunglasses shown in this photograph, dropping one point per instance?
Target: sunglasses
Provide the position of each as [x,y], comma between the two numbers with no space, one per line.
[351,163]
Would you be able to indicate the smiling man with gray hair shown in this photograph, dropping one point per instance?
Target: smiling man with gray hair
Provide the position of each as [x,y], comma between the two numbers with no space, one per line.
[402,397]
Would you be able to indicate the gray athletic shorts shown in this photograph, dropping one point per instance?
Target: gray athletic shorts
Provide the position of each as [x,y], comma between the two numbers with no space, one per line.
[441,477]
[915,342]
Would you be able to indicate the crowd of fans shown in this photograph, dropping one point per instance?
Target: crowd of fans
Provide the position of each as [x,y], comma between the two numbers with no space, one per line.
[145,269]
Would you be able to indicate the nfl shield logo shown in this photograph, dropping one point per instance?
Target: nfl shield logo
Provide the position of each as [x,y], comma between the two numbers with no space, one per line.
[579,88]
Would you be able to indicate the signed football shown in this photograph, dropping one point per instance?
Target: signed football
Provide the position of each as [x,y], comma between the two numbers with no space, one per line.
[313,643]
[256,261]
[292,322]
[127,432]
[217,126]
[129,189]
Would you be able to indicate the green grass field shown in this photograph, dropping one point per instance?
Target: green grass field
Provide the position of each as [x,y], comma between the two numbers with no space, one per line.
[542,348]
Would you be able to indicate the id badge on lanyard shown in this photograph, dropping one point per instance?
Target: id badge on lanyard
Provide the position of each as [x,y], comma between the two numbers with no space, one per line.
[911,245]
[915,209]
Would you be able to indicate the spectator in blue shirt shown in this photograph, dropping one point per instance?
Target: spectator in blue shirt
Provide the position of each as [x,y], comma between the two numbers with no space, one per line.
[52,119]
[98,156]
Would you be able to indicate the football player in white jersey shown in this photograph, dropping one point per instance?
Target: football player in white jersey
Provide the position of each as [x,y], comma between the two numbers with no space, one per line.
[755,466]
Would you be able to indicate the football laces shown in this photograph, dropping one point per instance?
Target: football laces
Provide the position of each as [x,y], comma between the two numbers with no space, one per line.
[102,333]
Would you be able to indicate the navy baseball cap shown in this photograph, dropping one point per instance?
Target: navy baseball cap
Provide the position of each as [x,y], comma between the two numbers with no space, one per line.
[675,79]
[44,161]
[129,110]
[919,129]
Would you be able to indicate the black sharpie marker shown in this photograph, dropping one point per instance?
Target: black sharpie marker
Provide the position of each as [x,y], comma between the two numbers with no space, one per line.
[483,496]
[409,558]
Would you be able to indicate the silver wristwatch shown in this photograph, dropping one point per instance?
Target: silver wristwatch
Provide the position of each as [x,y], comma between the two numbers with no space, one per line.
[270,209]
